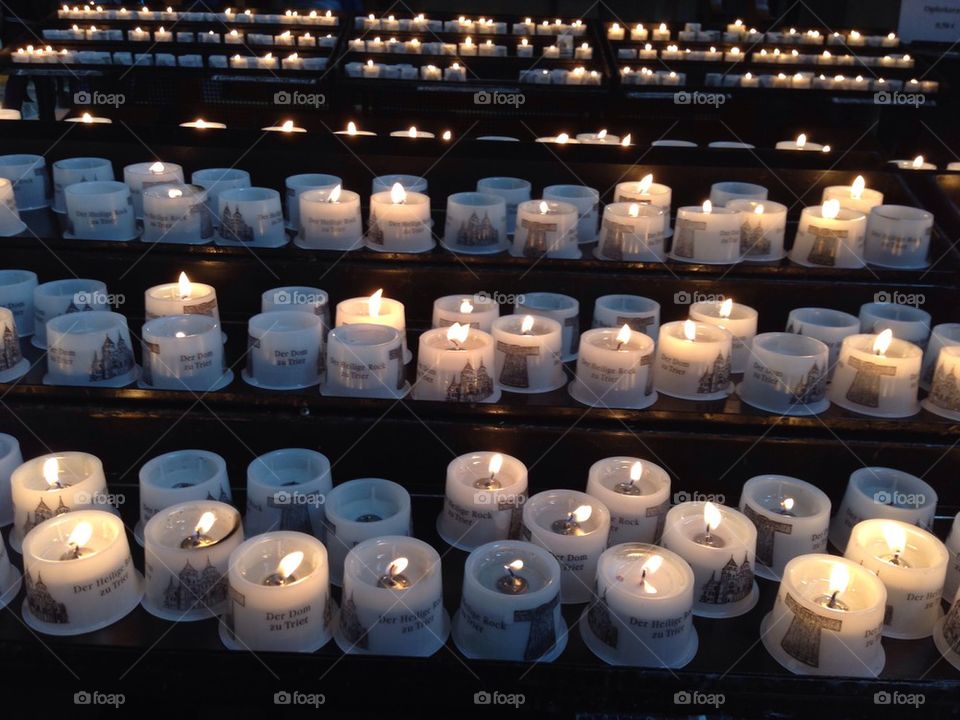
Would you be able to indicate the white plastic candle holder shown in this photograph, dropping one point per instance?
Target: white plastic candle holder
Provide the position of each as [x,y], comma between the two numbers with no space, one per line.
[90,349]
[880,385]
[365,360]
[944,397]
[546,228]
[76,589]
[528,360]
[62,297]
[285,350]
[251,217]
[879,492]
[555,520]
[13,364]
[178,477]
[400,222]
[297,184]
[274,602]
[10,460]
[510,613]
[456,369]
[641,589]
[190,299]
[647,192]
[186,563]
[476,223]
[946,634]
[722,193]
[853,198]
[183,352]
[478,311]
[28,174]
[379,311]
[792,518]
[140,176]
[410,183]
[786,374]
[587,202]
[763,229]
[286,490]
[898,237]
[299,298]
[73,170]
[952,582]
[695,367]
[562,308]
[941,336]
[641,314]
[16,294]
[78,483]
[10,222]
[637,494]
[359,510]
[176,214]
[722,557]
[10,577]
[633,232]
[906,322]
[828,326]
[707,236]
[329,220]
[614,369]
[810,635]
[740,320]
[513,191]
[824,241]
[215,181]
[482,505]
[388,609]
[100,210]
[912,565]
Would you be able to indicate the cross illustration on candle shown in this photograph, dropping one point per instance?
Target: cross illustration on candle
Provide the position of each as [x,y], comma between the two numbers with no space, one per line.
[802,639]
[865,388]
[536,245]
[514,372]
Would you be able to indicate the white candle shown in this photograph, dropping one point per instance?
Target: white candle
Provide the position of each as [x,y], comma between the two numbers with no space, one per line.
[614,369]
[639,313]
[637,494]
[944,397]
[828,326]
[12,363]
[184,352]
[138,35]
[642,589]
[720,545]
[546,228]
[454,364]
[740,320]
[660,33]
[176,213]
[722,193]
[510,607]
[800,144]
[286,490]
[633,232]
[374,310]
[792,518]
[365,360]
[905,321]
[952,583]
[296,184]
[912,565]
[528,353]
[513,190]
[586,200]
[183,297]
[708,235]
[286,127]
[786,374]
[942,335]
[329,219]
[53,299]
[285,350]
[477,311]
[187,548]
[352,131]
[78,574]
[763,229]
[31,184]
[524,48]
[400,221]
[251,217]
[73,170]
[162,36]
[279,595]
[482,500]
[143,175]
[574,527]
[917,163]
[413,134]
[562,308]
[856,196]
[898,236]
[693,361]
[616,32]
[877,375]
[392,599]
[827,618]
[476,223]
[831,236]
[90,349]
[10,459]
[16,295]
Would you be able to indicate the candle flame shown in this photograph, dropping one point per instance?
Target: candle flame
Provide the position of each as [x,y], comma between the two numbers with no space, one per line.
[184,286]
[634,210]
[289,564]
[603,133]
[51,471]
[527,324]
[788,503]
[726,307]
[334,195]
[174,193]
[830,209]
[515,565]
[466,306]
[918,162]
[663,27]
[652,564]
[457,333]
[373,304]
[287,126]
[636,471]
[351,128]
[205,522]
[856,190]
[801,140]
[690,330]
[544,207]
[882,342]
[447,135]
[412,132]
[711,516]
[80,535]
[157,167]
[825,149]
[563,138]
[626,140]
[86,117]
[707,206]
[839,578]
[646,181]
[758,210]
[496,462]
[895,537]
[623,337]
[397,566]
[398,195]
[582,513]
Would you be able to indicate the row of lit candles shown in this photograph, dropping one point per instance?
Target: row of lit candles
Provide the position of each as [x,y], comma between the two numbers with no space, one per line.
[737,30]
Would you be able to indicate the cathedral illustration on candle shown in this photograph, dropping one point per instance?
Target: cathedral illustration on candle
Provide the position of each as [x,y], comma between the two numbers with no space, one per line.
[811,388]
[600,622]
[353,632]
[471,386]
[115,359]
[234,227]
[735,583]
[192,588]
[375,232]
[944,391]
[951,627]
[43,512]
[475,232]
[42,604]
[753,240]
[9,349]
[716,378]
[802,639]
[614,238]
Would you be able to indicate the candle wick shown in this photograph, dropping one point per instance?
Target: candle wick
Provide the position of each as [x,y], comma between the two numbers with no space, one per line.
[619,345]
[833,600]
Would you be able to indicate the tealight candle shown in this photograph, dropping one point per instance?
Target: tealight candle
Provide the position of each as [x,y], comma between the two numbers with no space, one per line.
[639,313]
[365,360]
[477,311]
[830,235]
[952,583]
[722,193]
[637,494]
[614,369]
[278,595]
[285,350]
[60,297]
[100,210]
[287,127]
[251,217]
[352,131]
[828,326]
[918,163]
[176,214]
[286,490]
[183,297]
[792,518]
[941,336]
[528,353]
[898,237]
[187,547]
[375,310]
[454,365]
[707,235]
[912,565]
[693,361]
[412,133]
[546,229]
[74,170]
[10,460]
[720,544]
[329,219]
[16,295]
[513,191]
[856,196]
[739,320]
[616,32]
[400,221]
[28,174]
[586,200]
[392,599]
[944,397]
[11,579]
[574,527]
[78,574]
[801,144]
[12,363]
[90,349]
[633,232]
[879,492]
[763,229]
[562,308]
[641,589]
[10,222]
[645,192]
[877,375]
[786,374]
[297,184]
[142,175]
[827,618]
[476,223]
[215,181]
[906,322]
